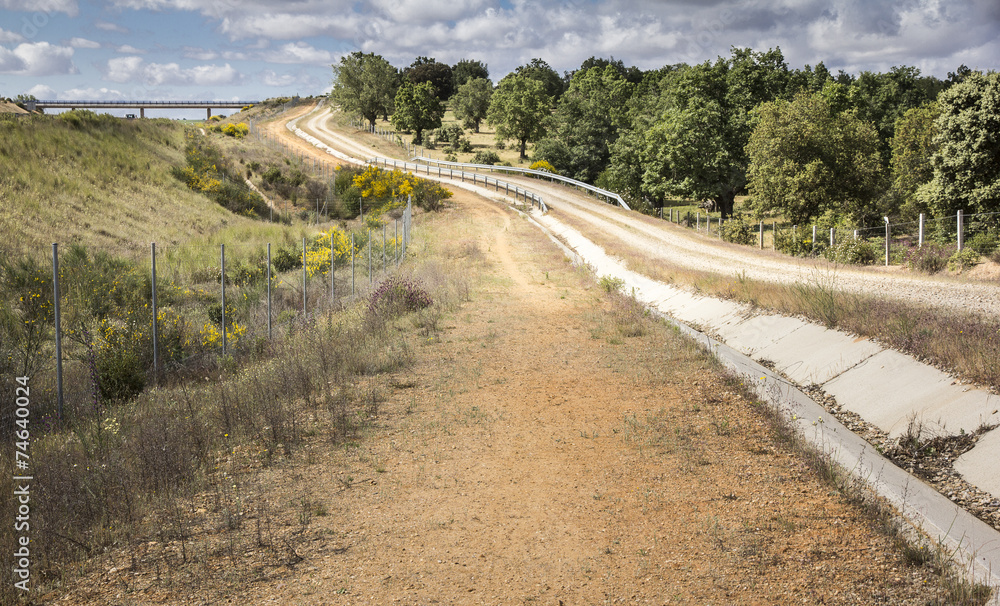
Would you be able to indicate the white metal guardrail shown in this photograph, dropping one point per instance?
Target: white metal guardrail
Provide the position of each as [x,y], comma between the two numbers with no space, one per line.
[508,188]
[608,195]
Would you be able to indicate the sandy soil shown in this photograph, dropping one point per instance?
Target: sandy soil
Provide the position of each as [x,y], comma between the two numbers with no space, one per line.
[550,445]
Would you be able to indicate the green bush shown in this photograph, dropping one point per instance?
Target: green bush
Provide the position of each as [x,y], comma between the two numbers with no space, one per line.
[963,260]
[929,258]
[429,195]
[738,231]
[793,243]
[396,296]
[852,252]
[486,157]
[287,258]
[984,242]
[451,133]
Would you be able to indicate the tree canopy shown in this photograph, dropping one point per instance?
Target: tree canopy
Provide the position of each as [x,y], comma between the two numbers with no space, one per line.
[364,84]
[468,69]
[966,161]
[417,109]
[424,69]
[519,109]
[472,102]
[806,159]
[588,119]
[539,70]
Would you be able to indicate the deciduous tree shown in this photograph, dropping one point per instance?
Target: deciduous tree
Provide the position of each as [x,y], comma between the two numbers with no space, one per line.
[806,159]
[364,84]
[519,110]
[417,109]
[472,102]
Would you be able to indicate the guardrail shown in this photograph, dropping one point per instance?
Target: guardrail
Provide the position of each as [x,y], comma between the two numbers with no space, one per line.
[608,195]
[528,196]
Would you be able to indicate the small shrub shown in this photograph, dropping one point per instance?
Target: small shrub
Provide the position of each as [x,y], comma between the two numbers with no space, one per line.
[544,166]
[611,283]
[984,242]
[852,252]
[792,243]
[396,296]
[738,231]
[486,157]
[429,195]
[287,258]
[464,146]
[930,258]
[963,260]
[451,133]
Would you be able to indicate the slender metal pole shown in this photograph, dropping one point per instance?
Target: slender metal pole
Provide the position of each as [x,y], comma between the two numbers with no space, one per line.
[222,253]
[269,291]
[56,310]
[762,235]
[961,241]
[920,238]
[156,350]
[369,256]
[304,275]
[333,259]
[395,241]
[352,265]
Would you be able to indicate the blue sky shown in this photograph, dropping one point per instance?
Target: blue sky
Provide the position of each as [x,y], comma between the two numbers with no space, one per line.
[255,49]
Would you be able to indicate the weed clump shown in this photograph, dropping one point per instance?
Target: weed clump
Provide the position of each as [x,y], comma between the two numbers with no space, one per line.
[929,258]
[397,296]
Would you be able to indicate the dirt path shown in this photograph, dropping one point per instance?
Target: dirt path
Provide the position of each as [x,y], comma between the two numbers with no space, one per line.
[550,445]
[537,453]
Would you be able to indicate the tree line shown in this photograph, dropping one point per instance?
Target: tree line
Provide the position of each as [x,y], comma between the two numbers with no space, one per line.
[805,144]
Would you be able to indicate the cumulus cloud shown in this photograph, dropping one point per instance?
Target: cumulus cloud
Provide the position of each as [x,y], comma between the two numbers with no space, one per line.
[83,43]
[8,37]
[134,69]
[69,7]
[128,49]
[110,27]
[299,52]
[96,94]
[37,59]
[41,91]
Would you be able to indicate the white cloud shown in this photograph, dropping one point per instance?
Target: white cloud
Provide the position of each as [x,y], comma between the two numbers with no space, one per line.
[37,59]
[110,27]
[299,52]
[272,78]
[128,49]
[8,37]
[200,54]
[83,43]
[95,94]
[129,69]
[41,91]
[42,6]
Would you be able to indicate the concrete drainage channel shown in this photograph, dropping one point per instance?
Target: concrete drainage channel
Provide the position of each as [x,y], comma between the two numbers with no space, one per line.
[882,386]
[975,544]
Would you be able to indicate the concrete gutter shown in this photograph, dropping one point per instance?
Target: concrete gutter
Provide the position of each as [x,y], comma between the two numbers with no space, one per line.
[852,369]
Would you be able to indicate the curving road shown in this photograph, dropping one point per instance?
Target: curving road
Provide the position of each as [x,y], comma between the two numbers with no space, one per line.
[661,241]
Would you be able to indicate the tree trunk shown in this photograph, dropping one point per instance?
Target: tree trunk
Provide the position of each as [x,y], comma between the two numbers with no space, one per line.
[524,146]
[725,202]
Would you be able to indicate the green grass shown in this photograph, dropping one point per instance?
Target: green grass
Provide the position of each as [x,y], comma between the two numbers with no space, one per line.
[103,181]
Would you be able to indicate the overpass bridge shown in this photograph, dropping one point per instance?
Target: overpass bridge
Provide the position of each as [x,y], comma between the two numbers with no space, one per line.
[142,106]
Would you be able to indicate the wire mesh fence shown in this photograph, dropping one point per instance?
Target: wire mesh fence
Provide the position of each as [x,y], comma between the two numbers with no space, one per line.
[94,326]
[889,243]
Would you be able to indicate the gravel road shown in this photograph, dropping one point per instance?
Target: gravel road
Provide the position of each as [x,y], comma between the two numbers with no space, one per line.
[683,247]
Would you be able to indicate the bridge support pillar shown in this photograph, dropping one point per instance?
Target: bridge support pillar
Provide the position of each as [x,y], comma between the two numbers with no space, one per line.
[142,112]
[208,112]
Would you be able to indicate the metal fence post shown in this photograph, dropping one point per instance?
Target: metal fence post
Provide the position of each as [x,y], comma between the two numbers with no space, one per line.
[920,237]
[58,322]
[961,241]
[352,264]
[887,236]
[269,291]
[156,351]
[833,237]
[222,253]
[814,236]
[333,277]
[762,235]
[369,256]
[304,276]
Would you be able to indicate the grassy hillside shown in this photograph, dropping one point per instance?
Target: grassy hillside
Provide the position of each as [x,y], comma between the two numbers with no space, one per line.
[98,181]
